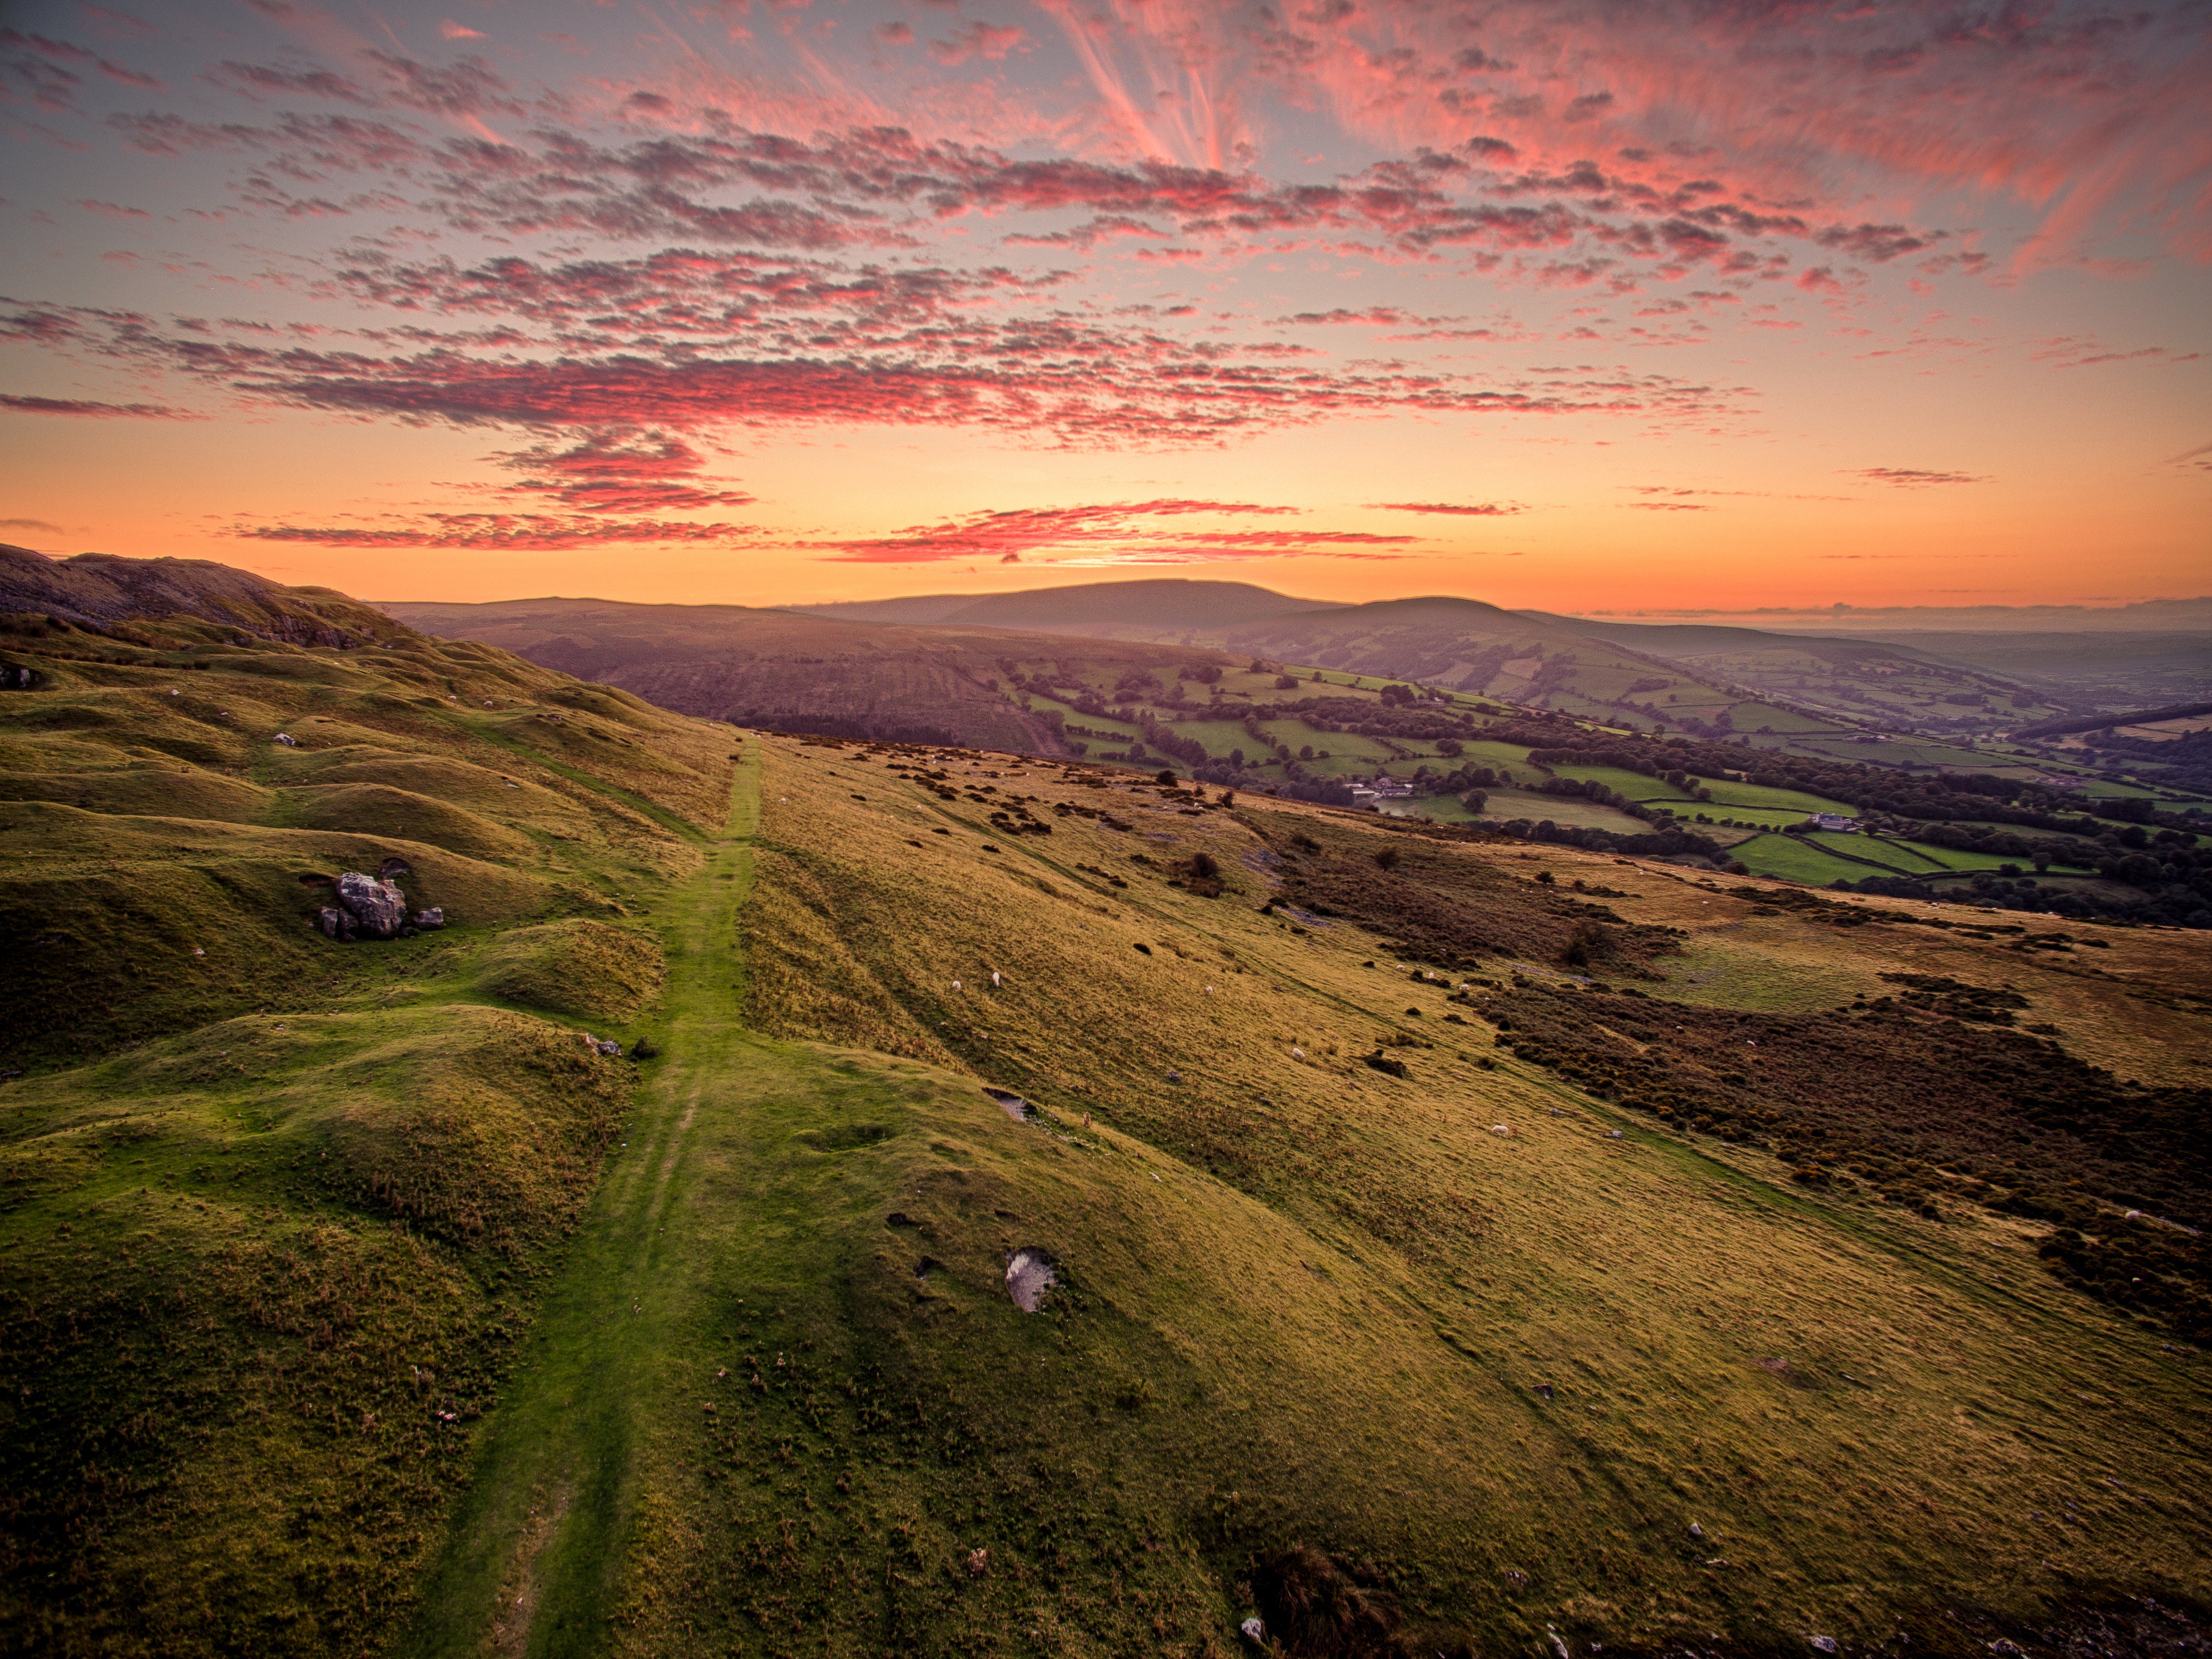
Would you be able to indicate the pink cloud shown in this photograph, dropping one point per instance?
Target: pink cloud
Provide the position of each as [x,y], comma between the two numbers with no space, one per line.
[497,533]
[1120,533]
[978,40]
[1914,477]
[97,411]
[1470,510]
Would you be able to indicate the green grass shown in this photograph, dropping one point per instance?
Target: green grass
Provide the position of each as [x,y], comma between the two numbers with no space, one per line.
[1633,785]
[1792,859]
[1727,793]
[1506,804]
[1951,857]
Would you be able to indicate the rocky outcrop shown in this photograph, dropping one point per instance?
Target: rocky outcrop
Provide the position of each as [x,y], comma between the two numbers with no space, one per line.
[377,909]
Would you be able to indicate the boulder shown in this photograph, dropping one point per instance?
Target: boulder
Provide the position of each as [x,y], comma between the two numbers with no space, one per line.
[433,917]
[377,907]
[335,923]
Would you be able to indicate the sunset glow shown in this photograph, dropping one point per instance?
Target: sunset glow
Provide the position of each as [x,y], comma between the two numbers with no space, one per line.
[1594,306]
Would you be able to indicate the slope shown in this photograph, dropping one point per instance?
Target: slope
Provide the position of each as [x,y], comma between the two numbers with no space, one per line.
[776,669]
[275,1209]
[1307,1299]
[1857,680]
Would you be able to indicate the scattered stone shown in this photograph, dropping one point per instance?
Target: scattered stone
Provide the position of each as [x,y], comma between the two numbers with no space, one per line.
[1616,1134]
[377,907]
[286,739]
[1825,1643]
[1253,1632]
[1029,1276]
[1501,1128]
[1544,1391]
[336,924]
[1696,1531]
[433,917]
[1175,1076]
[1013,1104]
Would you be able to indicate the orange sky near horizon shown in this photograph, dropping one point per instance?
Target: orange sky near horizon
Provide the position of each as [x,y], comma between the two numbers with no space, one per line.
[1677,307]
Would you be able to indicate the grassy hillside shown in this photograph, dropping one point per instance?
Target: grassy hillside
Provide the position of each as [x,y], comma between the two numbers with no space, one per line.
[1457,1245]
[276,1211]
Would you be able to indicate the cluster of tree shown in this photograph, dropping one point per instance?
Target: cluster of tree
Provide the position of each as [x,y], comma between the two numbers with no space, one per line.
[2157,899]
[2184,763]
[1297,785]
[1398,717]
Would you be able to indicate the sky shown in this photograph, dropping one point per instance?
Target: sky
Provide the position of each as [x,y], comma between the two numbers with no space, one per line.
[1617,306]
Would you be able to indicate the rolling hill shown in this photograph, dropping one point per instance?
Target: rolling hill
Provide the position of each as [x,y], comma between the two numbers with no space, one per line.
[1873,683]
[1806,687]
[768,668]
[1810,692]
[1175,604]
[1414,1241]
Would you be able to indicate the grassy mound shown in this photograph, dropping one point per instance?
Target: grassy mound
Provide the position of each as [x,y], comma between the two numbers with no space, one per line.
[461,783]
[584,969]
[261,1281]
[165,791]
[376,809]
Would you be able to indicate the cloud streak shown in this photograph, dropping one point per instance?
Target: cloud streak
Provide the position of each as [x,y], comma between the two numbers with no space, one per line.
[1126,532]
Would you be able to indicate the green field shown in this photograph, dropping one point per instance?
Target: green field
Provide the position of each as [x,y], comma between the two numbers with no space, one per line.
[1505,804]
[1791,858]
[1632,785]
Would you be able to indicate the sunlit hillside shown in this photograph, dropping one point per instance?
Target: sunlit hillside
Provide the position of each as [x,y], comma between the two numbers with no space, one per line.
[1031,1204]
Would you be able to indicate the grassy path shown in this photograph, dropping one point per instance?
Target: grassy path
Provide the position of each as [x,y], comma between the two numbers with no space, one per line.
[534,1555]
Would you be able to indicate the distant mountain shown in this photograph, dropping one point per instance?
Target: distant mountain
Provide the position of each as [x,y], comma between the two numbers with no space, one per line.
[790,671]
[1155,604]
[920,608]
[2104,668]
[1467,645]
